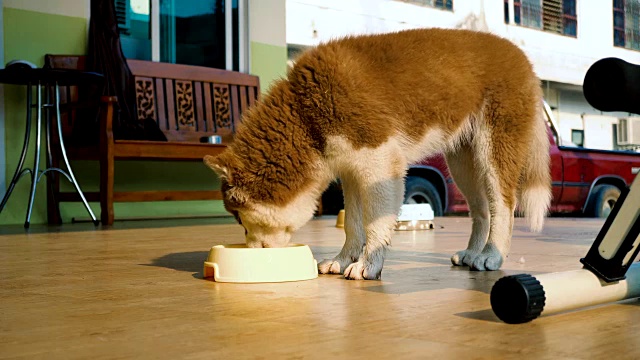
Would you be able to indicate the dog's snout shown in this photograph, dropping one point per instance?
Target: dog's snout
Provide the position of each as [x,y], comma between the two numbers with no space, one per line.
[266,239]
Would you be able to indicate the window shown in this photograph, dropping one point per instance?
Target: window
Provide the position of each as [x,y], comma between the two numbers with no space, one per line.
[577,137]
[618,23]
[191,32]
[556,16]
[440,4]
[528,13]
[626,24]
[444,4]
[569,18]
[506,11]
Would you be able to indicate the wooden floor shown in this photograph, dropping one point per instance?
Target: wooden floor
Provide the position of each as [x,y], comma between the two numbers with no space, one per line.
[137,292]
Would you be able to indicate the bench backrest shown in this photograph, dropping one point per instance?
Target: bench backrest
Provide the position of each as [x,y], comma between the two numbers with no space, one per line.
[187,102]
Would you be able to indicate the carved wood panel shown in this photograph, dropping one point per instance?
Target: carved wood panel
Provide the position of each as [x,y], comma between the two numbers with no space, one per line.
[184,105]
[221,106]
[145,98]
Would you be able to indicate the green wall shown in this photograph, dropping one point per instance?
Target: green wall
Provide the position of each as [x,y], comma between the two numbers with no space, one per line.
[269,62]
[30,35]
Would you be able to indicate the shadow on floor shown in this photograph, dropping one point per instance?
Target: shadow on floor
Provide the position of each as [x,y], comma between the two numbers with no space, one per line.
[186,261]
[483,315]
[631,302]
[418,279]
[407,272]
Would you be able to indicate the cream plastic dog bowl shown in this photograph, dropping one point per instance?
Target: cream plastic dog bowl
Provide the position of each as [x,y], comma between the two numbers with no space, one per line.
[238,263]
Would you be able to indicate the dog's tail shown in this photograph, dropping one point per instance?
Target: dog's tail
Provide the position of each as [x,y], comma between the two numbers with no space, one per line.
[535,195]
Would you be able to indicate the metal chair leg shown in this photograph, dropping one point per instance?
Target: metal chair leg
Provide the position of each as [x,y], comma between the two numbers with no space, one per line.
[19,171]
[36,162]
[53,209]
[66,160]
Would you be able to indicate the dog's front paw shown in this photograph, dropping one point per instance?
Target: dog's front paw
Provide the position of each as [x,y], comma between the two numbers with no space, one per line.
[361,271]
[337,265]
[488,260]
[327,266]
[464,258]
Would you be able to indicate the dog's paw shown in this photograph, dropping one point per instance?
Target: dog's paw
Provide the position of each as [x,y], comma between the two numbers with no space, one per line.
[361,271]
[327,266]
[464,258]
[488,261]
[337,265]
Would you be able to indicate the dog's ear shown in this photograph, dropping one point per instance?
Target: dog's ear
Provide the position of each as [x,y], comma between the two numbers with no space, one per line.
[216,164]
[234,197]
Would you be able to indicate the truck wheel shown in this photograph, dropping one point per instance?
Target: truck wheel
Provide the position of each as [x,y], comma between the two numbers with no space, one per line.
[421,191]
[603,198]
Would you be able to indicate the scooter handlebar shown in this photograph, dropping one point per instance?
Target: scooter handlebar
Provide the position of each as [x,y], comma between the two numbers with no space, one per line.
[612,84]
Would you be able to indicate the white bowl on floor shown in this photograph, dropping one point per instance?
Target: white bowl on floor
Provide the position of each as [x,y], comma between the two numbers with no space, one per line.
[415,217]
[240,264]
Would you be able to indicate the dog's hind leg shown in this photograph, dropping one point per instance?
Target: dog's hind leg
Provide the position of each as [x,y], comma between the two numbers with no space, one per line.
[471,183]
[355,235]
[500,146]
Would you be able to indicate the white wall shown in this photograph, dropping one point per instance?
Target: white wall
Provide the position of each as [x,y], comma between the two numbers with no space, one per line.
[566,59]
[574,112]
[312,21]
[567,122]
[559,59]
[600,130]
[555,57]
[267,22]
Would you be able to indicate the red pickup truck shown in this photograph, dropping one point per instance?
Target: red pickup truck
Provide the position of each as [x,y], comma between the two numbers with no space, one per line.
[585,181]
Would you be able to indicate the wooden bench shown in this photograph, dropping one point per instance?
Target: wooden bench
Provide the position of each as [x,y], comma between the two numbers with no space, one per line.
[187,103]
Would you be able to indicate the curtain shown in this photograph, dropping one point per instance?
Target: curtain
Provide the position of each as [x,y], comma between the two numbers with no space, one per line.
[105,56]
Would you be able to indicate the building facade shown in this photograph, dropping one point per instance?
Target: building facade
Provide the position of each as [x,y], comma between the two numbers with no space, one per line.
[561,37]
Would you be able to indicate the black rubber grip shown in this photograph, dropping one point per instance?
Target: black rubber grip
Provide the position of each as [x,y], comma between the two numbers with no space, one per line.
[612,84]
[517,299]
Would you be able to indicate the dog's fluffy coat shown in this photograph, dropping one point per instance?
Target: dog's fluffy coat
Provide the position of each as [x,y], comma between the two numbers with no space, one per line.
[362,109]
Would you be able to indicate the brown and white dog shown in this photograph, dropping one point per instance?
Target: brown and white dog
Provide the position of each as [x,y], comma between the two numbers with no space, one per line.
[362,109]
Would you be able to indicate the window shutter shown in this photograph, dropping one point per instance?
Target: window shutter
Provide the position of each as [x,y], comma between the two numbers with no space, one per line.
[123,17]
[552,16]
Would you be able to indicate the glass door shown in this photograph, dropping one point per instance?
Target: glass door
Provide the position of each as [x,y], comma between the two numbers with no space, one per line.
[208,33]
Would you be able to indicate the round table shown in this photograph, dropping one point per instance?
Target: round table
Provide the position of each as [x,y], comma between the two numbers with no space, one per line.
[44,79]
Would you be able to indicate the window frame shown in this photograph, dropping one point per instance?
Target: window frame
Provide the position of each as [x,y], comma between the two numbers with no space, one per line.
[627,41]
[617,28]
[569,17]
[579,132]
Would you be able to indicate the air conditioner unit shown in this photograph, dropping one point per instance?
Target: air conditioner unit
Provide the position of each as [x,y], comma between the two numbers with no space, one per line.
[629,131]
